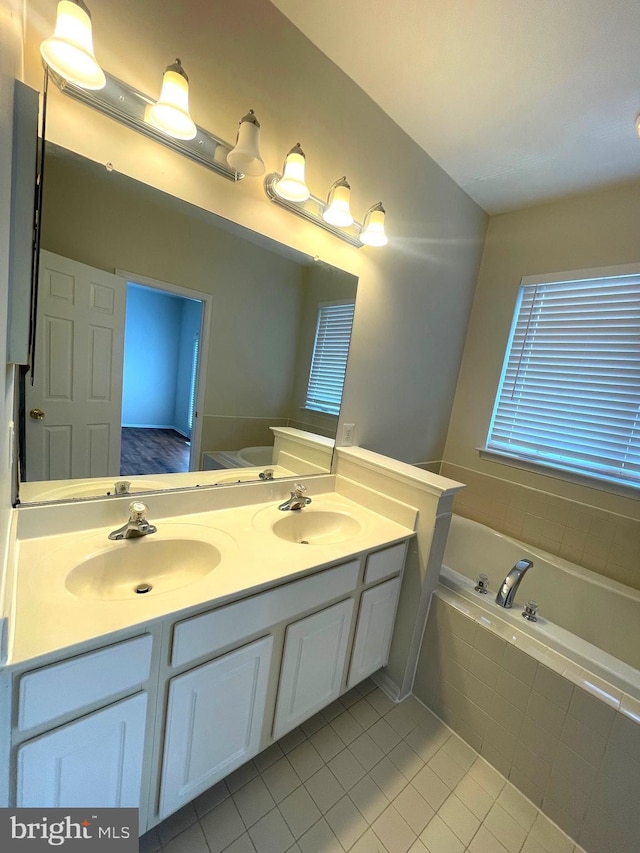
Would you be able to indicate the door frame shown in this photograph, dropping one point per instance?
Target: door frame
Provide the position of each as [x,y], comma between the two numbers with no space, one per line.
[205,326]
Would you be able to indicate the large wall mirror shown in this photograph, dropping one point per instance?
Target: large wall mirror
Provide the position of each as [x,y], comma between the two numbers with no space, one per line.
[171,345]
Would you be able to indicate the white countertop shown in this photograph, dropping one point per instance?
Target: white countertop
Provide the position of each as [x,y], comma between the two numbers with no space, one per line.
[46,617]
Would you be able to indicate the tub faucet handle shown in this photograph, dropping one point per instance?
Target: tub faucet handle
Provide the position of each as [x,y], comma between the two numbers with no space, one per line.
[530,610]
[482,584]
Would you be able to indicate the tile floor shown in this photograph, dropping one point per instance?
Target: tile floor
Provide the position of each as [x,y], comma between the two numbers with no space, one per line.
[367,776]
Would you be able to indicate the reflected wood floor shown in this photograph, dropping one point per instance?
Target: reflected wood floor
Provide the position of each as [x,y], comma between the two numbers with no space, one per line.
[153,451]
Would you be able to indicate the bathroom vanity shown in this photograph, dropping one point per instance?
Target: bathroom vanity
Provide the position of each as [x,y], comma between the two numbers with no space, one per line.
[112,698]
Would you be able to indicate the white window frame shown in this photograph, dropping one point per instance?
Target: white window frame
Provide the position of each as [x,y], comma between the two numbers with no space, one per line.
[513,435]
[329,357]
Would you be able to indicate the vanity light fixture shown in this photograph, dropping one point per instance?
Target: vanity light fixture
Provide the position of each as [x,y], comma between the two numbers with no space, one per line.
[291,186]
[373,233]
[333,214]
[337,210]
[69,51]
[245,157]
[170,113]
[129,107]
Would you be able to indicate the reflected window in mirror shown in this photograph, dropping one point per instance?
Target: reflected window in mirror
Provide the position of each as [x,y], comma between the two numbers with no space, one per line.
[329,359]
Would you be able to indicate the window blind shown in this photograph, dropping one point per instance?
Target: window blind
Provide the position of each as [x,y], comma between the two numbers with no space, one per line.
[329,361]
[569,394]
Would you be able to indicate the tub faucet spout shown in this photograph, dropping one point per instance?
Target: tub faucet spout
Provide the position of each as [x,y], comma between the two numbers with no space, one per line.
[510,584]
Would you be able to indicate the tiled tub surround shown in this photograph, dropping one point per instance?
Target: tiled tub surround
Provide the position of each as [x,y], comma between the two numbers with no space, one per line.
[567,739]
[572,601]
[604,541]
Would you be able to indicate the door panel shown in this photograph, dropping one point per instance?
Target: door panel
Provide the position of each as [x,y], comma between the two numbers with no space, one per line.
[78,373]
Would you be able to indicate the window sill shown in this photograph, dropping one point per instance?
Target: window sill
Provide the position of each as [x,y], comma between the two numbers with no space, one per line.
[548,470]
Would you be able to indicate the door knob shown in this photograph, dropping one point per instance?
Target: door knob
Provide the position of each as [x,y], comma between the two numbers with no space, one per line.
[36,414]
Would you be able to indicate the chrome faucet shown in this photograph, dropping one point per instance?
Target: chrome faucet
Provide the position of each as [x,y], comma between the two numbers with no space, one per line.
[510,584]
[137,525]
[267,474]
[298,500]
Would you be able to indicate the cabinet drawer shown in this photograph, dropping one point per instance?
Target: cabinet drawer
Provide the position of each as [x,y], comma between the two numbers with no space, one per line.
[204,634]
[387,562]
[58,689]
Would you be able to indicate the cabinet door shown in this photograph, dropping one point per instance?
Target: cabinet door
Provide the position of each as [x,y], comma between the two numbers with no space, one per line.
[375,627]
[312,665]
[95,761]
[214,722]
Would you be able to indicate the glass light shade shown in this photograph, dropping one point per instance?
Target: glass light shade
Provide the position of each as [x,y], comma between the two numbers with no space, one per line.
[372,233]
[245,157]
[171,112]
[69,51]
[291,185]
[337,210]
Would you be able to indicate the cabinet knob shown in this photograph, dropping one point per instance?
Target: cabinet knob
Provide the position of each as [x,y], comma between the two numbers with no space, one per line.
[36,414]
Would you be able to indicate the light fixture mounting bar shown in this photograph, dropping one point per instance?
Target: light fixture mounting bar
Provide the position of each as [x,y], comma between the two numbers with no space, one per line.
[311,210]
[127,105]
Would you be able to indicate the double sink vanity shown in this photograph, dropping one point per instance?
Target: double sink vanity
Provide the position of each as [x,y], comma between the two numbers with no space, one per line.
[140,672]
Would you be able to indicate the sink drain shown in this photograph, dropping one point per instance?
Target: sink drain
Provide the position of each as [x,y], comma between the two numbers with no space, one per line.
[142,588]
[303,542]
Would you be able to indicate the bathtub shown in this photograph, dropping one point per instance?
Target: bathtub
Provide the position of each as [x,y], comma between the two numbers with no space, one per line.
[587,624]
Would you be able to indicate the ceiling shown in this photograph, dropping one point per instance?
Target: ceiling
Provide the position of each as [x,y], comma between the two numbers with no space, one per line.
[519,101]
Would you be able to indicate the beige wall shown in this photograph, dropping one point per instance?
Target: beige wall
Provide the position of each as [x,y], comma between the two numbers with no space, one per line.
[590,526]
[414,295]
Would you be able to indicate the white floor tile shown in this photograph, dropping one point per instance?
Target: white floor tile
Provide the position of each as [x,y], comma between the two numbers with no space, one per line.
[253,801]
[192,840]
[459,819]
[487,777]
[305,760]
[281,779]
[438,838]
[324,789]
[346,727]
[505,828]
[431,787]
[320,839]
[384,735]
[241,845]
[327,742]
[387,777]
[364,713]
[374,795]
[475,798]
[484,842]
[299,811]
[518,806]
[347,769]
[406,759]
[271,834]
[366,751]
[222,825]
[369,799]
[394,832]
[413,808]
[346,822]
[447,768]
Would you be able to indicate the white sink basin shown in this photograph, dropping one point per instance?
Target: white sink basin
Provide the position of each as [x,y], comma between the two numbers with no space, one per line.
[144,566]
[316,527]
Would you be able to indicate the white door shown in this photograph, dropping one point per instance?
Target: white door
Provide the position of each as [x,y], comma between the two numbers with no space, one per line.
[375,628]
[214,722]
[312,665]
[95,761]
[78,373]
